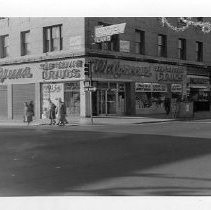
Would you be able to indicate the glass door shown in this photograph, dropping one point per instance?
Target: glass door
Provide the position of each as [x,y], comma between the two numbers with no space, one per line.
[106,102]
[101,102]
[111,102]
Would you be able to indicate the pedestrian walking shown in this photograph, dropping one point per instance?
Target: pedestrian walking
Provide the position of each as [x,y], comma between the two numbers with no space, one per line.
[31,107]
[174,107]
[52,113]
[61,112]
[27,113]
[167,105]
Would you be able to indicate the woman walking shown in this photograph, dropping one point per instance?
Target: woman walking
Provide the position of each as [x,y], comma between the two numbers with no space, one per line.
[61,111]
[27,113]
[52,113]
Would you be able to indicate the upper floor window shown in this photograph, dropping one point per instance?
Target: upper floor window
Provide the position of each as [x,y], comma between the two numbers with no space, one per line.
[182,49]
[113,44]
[140,41]
[25,43]
[52,38]
[199,51]
[4,46]
[162,45]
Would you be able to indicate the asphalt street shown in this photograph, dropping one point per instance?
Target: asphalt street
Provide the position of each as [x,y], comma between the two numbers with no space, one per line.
[169,158]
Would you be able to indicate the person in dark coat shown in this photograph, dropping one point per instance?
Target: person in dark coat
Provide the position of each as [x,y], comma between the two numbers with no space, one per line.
[27,113]
[61,112]
[31,107]
[167,105]
[52,113]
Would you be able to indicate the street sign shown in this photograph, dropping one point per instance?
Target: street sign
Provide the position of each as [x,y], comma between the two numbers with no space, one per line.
[90,89]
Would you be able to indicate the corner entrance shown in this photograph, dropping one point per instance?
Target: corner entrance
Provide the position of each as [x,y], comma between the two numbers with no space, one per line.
[110,99]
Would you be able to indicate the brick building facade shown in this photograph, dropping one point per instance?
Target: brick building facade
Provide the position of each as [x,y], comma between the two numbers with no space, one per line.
[133,72]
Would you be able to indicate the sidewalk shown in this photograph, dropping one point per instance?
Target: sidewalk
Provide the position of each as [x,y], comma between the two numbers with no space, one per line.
[111,120]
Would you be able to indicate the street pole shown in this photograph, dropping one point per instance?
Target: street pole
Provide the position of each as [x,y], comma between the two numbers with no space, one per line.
[90,93]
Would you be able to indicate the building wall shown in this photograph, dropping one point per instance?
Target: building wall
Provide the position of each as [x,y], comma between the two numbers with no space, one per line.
[152,27]
[72,27]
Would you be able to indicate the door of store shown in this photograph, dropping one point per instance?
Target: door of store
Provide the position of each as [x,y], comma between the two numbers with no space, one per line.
[106,102]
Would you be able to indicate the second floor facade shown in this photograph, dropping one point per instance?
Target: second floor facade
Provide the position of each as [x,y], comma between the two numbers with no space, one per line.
[30,39]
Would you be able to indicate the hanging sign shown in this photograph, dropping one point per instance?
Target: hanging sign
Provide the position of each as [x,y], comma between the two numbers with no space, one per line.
[101,31]
[104,33]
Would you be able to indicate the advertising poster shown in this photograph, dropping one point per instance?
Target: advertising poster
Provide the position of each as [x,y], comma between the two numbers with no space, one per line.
[52,92]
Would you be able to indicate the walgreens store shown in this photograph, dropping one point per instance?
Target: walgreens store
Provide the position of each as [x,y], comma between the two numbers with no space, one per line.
[132,88]
[39,82]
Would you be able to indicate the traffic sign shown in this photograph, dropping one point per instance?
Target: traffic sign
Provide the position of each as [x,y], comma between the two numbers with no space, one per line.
[90,88]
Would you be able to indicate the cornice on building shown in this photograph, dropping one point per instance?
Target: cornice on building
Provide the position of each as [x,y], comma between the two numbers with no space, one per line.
[39,58]
[144,58]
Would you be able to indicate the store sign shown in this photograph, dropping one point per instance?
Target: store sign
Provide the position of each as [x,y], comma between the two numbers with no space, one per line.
[138,71]
[167,73]
[16,73]
[176,88]
[117,69]
[62,69]
[124,46]
[159,88]
[150,87]
[102,39]
[72,86]
[199,81]
[103,31]
[143,87]
[76,43]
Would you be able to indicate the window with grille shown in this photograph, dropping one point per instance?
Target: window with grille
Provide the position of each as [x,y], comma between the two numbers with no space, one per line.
[140,42]
[199,51]
[52,38]
[25,43]
[4,46]
[162,45]
[182,49]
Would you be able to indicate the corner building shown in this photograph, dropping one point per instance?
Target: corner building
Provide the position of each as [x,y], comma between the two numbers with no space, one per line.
[132,70]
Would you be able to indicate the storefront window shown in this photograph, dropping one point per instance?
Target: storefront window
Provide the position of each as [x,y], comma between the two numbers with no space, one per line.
[150,98]
[50,91]
[149,102]
[72,98]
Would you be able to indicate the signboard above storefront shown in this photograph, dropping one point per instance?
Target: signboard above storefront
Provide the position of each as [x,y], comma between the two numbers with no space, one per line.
[143,87]
[15,73]
[199,82]
[138,71]
[60,70]
[150,87]
[176,88]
